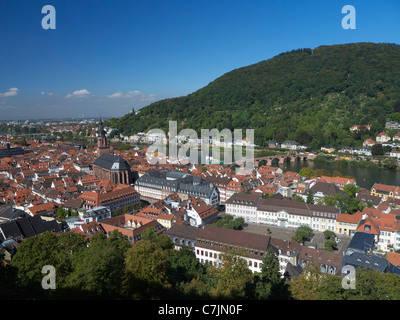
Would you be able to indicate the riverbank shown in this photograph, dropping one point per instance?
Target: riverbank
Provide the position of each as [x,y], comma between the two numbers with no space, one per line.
[377,163]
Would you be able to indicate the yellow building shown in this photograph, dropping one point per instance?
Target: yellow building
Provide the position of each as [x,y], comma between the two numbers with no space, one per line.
[384,191]
[347,223]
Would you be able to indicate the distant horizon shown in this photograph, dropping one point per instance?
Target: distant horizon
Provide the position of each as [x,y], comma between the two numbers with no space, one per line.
[146,52]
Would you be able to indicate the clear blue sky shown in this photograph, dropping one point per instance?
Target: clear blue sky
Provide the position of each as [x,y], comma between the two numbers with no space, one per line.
[107,57]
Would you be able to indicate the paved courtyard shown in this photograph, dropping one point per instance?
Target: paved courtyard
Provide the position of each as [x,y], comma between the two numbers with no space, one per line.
[287,234]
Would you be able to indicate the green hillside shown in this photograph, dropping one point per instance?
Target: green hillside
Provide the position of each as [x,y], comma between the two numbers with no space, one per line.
[310,95]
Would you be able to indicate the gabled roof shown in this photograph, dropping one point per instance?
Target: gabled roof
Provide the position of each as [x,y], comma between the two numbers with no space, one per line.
[27,227]
[237,238]
[111,162]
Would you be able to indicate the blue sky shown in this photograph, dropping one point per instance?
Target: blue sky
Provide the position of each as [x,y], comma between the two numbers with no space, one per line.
[108,57]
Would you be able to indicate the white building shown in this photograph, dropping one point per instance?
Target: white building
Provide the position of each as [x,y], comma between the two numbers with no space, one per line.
[243,205]
[293,214]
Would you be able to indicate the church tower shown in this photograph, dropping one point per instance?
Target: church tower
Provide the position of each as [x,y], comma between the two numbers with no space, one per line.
[102,141]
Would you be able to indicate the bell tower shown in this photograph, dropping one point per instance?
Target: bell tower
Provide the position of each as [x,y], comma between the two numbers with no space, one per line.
[102,140]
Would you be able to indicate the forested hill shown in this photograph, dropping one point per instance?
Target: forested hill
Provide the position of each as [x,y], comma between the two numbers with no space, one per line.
[310,95]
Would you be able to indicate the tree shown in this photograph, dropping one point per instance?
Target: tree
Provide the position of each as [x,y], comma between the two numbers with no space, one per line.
[98,270]
[184,265]
[298,198]
[62,213]
[310,197]
[270,284]
[302,234]
[377,150]
[146,274]
[351,189]
[329,234]
[47,249]
[307,285]
[306,172]
[330,245]
[230,222]
[160,240]
[345,202]
[231,280]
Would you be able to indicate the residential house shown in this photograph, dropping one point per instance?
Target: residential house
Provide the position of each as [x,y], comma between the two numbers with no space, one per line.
[243,205]
[392,125]
[396,137]
[237,185]
[368,143]
[131,226]
[347,223]
[382,137]
[288,253]
[394,154]
[97,214]
[199,212]
[160,214]
[321,189]
[221,183]
[385,191]
[329,262]
[360,127]
[328,149]
[291,145]
[48,208]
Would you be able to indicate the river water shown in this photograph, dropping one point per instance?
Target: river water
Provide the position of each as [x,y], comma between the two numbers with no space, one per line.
[365,177]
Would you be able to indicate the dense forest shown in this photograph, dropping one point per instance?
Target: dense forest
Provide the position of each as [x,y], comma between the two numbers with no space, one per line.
[312,96]
[111,268]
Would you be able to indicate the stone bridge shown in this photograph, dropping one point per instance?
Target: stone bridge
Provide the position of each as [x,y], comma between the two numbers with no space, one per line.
[281,159]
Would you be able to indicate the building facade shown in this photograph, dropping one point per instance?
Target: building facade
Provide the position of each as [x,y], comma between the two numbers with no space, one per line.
[157,185]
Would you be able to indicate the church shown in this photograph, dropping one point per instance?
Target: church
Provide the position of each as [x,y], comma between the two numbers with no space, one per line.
[109,166]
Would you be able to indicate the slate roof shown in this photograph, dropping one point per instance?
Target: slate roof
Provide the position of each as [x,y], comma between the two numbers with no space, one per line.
[12,152]
[10,213]
[361,242]
[210,236]
[325,188]
[182,232]
[27,227]
[293,271]
[177,182]
[294,207]
[252,199]
[362,260]
[111,162]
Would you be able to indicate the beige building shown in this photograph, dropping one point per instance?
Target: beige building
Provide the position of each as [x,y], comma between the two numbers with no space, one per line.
[347,223]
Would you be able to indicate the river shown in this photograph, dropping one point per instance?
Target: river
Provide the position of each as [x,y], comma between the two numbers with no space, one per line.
[365,177]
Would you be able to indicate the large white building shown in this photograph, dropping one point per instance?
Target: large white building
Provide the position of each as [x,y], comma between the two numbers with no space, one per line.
[282,212]
[293,214]
[212,242]
[157,185]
